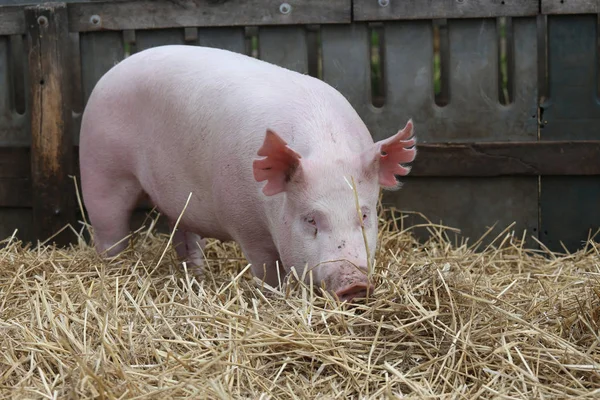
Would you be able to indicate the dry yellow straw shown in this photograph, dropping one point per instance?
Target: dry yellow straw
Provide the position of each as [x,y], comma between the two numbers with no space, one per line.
[448,322]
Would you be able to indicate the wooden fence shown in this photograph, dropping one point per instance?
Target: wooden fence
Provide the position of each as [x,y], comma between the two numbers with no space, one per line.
[504,95]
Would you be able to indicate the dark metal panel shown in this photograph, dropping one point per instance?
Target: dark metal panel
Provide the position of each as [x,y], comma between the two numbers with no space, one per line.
[571,206]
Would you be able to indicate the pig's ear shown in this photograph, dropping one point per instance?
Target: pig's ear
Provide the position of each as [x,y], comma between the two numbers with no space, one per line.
[279,165]
[390,153]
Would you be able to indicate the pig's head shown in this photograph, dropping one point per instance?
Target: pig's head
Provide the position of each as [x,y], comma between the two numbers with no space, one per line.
[317,223]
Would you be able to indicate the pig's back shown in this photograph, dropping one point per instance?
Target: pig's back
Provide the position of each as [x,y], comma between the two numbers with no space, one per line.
[213,91]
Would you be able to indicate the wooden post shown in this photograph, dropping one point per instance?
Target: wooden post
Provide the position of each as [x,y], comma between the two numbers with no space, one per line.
[50,112]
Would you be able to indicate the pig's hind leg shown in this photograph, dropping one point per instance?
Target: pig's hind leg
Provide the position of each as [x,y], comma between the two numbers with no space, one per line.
[110,203]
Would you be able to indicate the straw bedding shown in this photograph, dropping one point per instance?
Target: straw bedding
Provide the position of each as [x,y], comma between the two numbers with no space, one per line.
[447,320]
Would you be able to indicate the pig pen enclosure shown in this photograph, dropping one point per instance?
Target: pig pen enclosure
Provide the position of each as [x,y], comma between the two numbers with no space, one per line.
[487,268]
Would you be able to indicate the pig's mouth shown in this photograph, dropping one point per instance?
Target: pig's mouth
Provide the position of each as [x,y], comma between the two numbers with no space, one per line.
[356,291]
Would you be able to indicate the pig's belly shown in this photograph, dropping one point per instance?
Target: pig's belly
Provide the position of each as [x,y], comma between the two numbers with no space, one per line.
[169,195]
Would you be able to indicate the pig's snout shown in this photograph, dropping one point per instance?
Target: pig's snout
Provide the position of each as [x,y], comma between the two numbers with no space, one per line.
[347,281]
[357,290]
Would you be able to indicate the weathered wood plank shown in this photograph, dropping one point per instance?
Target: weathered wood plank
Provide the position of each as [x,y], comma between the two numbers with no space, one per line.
[470,204]
[231,39]
[572,111]
[570,6]
[569,206]
[100,51]
[19,219]
[473,87]
[340,44]
[14,163]
[522,113]
[508,159]
[370,10]
[473,113]
[15,177]
[51,144]
[473,81]
[12,16]
[569,209]
[15,193]
[12,20]
[204,13]
[13,132]
[146,39]
[408,47]
[285,46]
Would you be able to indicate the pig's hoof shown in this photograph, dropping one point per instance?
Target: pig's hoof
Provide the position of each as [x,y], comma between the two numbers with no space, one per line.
[193,269]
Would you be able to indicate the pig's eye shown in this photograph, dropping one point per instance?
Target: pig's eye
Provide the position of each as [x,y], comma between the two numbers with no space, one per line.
[365,213]
[311,221]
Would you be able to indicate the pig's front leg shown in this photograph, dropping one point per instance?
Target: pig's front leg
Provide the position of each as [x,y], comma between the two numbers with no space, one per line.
[265,261]
[190,248]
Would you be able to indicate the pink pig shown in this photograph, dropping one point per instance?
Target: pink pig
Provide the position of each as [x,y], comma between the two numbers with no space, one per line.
[175,120]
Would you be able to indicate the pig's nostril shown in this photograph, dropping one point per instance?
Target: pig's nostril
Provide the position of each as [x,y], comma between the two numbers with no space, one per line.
[352,292]
[351,296]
